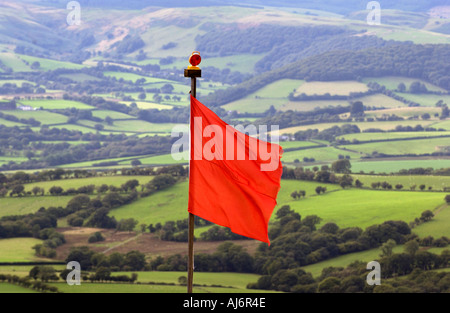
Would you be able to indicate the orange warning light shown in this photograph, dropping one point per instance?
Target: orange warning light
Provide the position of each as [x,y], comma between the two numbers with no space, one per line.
[195,59]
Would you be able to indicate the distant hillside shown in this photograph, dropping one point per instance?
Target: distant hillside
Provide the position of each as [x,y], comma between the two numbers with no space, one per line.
[337,6]
[428,62]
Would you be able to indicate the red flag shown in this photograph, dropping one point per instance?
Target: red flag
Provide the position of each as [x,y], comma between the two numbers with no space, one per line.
[234,179]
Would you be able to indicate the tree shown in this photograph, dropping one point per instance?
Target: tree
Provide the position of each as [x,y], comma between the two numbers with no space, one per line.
[447,198]
[109,120]
[135,260]
[401,87]
[357,108]
[136,163]
[127,224]
[411,247]
[142,96]
[36,190]
[18,190]
[56,190]
[426,216]
[445,112]
[35,65]
[387,247]
[341,166]
[345,181]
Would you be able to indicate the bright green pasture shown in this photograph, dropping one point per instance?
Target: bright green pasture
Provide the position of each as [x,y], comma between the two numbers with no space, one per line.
[346,259]
[237,280]
[325,154]
[131,77]
[10,288]
[438,226]
[436,182]
[7,159]
[144,288]
[289,186]
[362,208]
[50,65]
[45,117]
[394,166]
[26,205]
[18,249]
[165,159]
[79,182]
[10,123]
[167,205]
[13,61]
[444,125]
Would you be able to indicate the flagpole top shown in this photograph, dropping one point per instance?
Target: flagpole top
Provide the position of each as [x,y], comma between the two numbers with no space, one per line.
[193,70]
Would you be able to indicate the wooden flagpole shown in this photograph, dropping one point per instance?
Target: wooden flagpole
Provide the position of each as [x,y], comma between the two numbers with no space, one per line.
[193,72]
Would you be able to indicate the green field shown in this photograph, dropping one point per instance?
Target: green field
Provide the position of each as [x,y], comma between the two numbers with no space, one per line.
[429,100]
[18,250]
[45,117]
[352,207]
[436,182]
[394,166]
[416,146]
[236,280]
[10,288]
[49,65]
[385,126]
[13,61]
[326,154]
[438,226]
[144,288]
[166,205]
[79,182]
[391,135]
[55,104]
[347,259]
[25,205]
[362,208]
[165,159]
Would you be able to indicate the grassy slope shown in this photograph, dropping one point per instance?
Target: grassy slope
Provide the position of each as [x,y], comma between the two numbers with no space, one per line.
[25,205]
[18,250]
[97,181]
[10,288]
[394,166]
[363,208]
